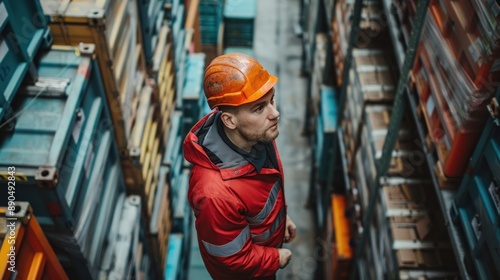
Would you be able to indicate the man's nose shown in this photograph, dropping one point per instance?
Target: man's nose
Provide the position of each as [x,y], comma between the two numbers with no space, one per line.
[274,112]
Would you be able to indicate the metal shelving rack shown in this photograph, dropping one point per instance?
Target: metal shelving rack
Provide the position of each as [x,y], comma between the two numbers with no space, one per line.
[316,12]
[395,121]
[445,197]
[403,98]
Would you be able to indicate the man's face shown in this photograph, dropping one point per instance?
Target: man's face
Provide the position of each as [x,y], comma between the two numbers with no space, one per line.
[258,120]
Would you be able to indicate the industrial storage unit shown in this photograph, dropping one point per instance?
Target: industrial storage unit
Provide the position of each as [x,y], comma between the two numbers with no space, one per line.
[402,115]
[92,124]
[411,153]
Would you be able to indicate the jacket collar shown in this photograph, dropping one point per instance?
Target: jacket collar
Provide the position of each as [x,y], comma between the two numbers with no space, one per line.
[230,163]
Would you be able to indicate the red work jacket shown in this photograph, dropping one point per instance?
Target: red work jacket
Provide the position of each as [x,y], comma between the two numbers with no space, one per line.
[240,213]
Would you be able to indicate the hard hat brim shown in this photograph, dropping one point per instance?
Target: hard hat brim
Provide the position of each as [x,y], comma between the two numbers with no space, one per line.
[271,82]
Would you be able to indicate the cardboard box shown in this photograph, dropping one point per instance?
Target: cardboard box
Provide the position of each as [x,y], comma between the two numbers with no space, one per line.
[426,258]
[374,59]
[414,233]
[404,197]
[376,78]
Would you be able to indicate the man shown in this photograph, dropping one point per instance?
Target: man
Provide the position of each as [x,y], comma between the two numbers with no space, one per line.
[236,186]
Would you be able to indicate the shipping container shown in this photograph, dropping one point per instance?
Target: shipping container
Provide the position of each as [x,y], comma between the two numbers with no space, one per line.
[25,252]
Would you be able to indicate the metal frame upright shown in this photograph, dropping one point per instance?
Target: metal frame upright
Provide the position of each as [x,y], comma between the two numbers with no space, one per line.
[396,116]
[314,14]
[403,99]
[394,125]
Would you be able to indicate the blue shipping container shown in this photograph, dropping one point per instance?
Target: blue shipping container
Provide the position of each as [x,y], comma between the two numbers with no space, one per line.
[62,138]
[23,31]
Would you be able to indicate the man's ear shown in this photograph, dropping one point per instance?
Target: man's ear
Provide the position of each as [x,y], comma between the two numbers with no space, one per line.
[229,120]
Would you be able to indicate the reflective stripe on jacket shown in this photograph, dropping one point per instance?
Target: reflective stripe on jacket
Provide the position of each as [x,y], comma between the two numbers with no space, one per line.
[240,213]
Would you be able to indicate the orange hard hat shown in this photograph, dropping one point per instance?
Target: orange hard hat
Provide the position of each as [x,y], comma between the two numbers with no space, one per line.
[235,79]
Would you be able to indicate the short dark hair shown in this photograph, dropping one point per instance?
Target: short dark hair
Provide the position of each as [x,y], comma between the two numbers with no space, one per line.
[230,109]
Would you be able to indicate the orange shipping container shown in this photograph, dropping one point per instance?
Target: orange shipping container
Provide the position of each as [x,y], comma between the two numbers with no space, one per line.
[25,252]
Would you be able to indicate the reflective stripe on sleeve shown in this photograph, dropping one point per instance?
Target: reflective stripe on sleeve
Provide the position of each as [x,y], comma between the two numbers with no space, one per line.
[229,248]
[271,200]
[257,238]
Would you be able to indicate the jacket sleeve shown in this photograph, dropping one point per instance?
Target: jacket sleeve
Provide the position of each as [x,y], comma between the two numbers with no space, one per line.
[225,237]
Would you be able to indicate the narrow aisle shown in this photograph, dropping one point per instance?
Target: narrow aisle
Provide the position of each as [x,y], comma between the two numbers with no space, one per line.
[279,50]
[277,47]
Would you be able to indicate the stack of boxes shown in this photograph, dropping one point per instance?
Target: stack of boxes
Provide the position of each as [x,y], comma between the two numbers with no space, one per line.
[370,32]
[371,89]
[405,240]
[419,238]
[454,74]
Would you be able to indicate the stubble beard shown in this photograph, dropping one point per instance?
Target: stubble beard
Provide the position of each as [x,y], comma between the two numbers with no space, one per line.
[264,137]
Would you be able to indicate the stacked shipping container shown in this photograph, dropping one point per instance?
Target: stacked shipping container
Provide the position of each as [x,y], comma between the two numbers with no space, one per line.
[104,105]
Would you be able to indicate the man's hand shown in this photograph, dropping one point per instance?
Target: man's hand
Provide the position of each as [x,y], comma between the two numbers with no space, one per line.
[289,230]
[285,256]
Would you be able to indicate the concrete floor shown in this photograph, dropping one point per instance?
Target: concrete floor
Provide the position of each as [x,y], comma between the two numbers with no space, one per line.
[279,50]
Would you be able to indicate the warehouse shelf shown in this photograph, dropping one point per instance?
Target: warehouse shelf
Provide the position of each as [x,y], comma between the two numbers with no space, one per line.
[445,197]
[392,25]
[328,9]
[393,129]
[317,195]
[475,207]
[340,134]
[311,15]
